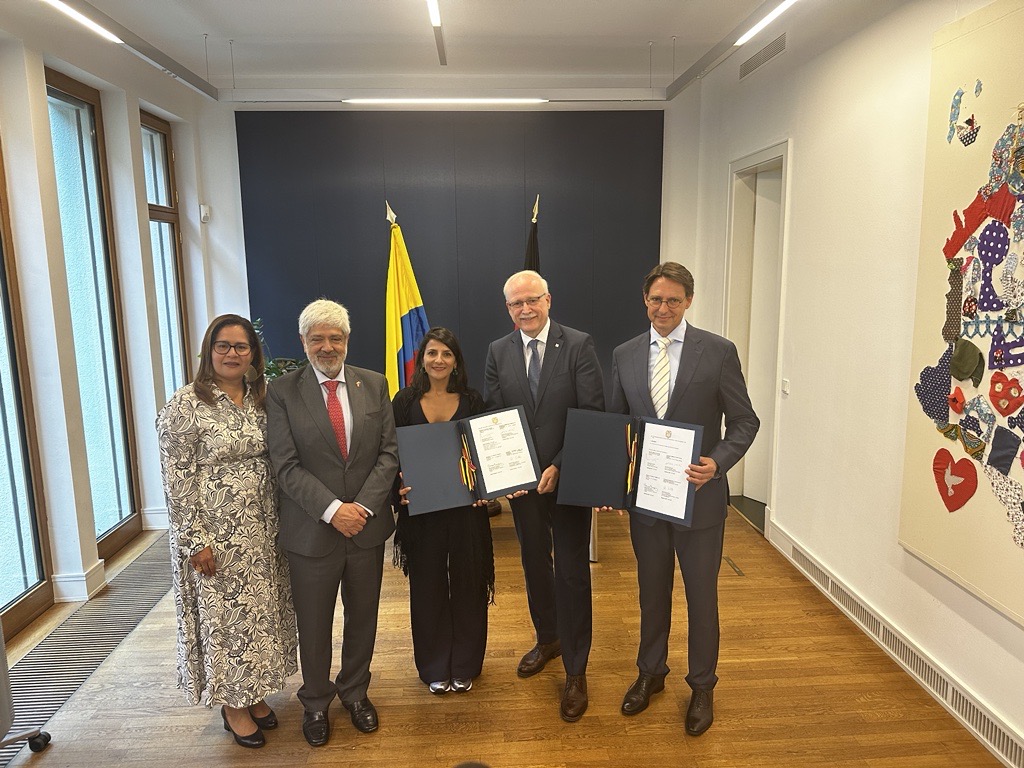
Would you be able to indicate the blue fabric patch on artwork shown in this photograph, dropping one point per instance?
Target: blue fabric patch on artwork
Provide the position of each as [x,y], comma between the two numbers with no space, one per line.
[933,388]
[1005,445]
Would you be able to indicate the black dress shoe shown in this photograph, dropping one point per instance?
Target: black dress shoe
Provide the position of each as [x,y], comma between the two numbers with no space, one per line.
[535,659]
[574,698]
[700,714]
[639,694]
[364,715]
[316,728]
[253,740]
[267,722]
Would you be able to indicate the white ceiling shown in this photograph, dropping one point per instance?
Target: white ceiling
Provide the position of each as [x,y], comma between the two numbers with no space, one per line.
[319,51]
[390,43]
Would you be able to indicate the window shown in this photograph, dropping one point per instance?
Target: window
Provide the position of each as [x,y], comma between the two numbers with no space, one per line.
[24,589]
[164,234]
[77,134]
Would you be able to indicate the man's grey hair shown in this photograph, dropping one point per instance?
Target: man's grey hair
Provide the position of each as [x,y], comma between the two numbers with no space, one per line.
[324,312]
[521,275]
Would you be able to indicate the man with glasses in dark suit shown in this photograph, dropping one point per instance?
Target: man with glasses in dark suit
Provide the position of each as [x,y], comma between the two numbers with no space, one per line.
[677,372]
[549,368]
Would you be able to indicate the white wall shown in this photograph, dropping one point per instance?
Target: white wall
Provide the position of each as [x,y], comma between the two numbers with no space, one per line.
[854,111]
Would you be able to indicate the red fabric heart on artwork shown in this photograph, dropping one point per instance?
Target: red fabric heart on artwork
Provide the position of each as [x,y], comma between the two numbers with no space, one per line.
[957,401]
[1006,395]
[956,480]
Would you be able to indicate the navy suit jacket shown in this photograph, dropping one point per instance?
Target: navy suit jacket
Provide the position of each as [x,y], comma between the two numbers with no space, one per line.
[570,377]
[709,386]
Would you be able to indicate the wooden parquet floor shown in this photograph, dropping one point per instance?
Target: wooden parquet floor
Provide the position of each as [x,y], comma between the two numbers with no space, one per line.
[800,686]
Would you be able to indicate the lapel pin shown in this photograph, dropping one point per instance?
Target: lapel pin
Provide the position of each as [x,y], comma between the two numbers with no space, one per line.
[359,384]
[557,345]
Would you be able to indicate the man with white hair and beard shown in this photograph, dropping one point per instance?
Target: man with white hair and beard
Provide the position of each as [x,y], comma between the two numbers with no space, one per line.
[331,433]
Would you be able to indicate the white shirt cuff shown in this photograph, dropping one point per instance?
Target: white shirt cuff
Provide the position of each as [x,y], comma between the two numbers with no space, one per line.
[328,515]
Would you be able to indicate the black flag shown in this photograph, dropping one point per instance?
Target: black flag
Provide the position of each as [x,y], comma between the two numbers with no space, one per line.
[532,260]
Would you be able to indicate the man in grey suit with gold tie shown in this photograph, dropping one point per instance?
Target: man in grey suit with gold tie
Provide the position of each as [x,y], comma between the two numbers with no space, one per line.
[677,372]
[331,433]
[549,368]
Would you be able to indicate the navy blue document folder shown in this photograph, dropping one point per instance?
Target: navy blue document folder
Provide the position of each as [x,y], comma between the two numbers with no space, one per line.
[445,467]
[602,455]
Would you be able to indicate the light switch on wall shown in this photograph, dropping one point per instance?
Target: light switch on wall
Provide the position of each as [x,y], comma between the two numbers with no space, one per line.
[785,386]
[204,213]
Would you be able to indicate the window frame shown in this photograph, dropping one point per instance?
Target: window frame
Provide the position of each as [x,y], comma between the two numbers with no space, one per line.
[36,600]
[121,534]
[172,215]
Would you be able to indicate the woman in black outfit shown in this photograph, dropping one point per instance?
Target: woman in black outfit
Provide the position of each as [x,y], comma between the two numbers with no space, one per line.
[447,555]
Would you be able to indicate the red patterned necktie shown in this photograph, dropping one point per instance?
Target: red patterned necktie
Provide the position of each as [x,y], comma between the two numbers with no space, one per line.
[337,416]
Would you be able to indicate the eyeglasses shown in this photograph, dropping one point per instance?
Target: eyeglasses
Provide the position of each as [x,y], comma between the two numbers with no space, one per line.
[223,347]
[530,301]
[656,301]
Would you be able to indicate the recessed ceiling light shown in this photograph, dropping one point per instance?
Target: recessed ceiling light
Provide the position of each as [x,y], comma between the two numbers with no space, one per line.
[84,21]
[779,10]
[435,13]
[463,101]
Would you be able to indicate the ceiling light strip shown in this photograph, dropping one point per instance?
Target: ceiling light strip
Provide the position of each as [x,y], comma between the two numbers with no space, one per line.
[95,19]
[457,101]
[84,20]
[779,10]
[435,13]
[724,48]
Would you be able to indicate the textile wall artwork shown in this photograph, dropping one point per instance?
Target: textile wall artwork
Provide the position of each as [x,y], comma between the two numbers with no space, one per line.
[963,478]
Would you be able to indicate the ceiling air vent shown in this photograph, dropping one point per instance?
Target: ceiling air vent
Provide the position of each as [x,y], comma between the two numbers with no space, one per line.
[766,54]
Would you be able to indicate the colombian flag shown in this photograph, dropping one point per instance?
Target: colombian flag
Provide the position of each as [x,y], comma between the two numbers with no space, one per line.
[406,321]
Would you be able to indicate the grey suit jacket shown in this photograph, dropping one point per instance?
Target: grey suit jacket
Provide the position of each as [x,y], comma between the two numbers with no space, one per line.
[570,377]
[308,464]
[708,386]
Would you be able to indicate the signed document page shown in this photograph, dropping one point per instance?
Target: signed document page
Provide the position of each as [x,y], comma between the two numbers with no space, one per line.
[504,458]
[662,486]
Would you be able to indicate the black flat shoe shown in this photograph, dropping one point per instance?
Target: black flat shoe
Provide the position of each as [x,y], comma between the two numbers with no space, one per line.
[267,722]
[252,741]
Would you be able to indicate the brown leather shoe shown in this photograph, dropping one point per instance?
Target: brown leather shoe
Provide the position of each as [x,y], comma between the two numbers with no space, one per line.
[639,694]
[700,714]
[534,661]
[574,699]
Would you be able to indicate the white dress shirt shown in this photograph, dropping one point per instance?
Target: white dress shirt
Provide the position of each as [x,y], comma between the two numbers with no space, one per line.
[346,410]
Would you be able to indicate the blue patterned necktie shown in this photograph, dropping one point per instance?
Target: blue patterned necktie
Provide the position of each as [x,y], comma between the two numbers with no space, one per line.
[533,370]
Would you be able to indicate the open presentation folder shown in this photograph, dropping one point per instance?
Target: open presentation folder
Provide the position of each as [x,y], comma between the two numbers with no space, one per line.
[628,462]
[455,463]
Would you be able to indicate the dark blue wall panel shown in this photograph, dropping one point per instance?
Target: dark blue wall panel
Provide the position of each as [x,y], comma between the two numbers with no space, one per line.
[463,185]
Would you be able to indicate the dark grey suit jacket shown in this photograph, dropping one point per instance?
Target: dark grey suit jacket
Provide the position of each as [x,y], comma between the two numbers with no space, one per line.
[708,386]
[569,378]
[307,460]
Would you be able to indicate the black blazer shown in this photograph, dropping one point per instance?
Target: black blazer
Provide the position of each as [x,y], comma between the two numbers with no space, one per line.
[570,377]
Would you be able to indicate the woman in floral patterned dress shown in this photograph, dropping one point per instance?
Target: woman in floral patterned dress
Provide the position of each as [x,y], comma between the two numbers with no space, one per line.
[236,627]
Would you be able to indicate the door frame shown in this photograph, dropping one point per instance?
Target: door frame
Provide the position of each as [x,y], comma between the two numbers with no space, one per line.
[740,236]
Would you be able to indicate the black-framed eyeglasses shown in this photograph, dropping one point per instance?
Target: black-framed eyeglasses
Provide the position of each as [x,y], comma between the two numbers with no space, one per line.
[223,347]
[654,302]
[529,301]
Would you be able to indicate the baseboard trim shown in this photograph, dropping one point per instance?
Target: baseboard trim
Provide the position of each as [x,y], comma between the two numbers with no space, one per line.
[76,587]
[998,737]
[155,519]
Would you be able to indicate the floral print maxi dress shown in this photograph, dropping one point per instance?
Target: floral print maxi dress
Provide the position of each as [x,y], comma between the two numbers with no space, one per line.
[236,629]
